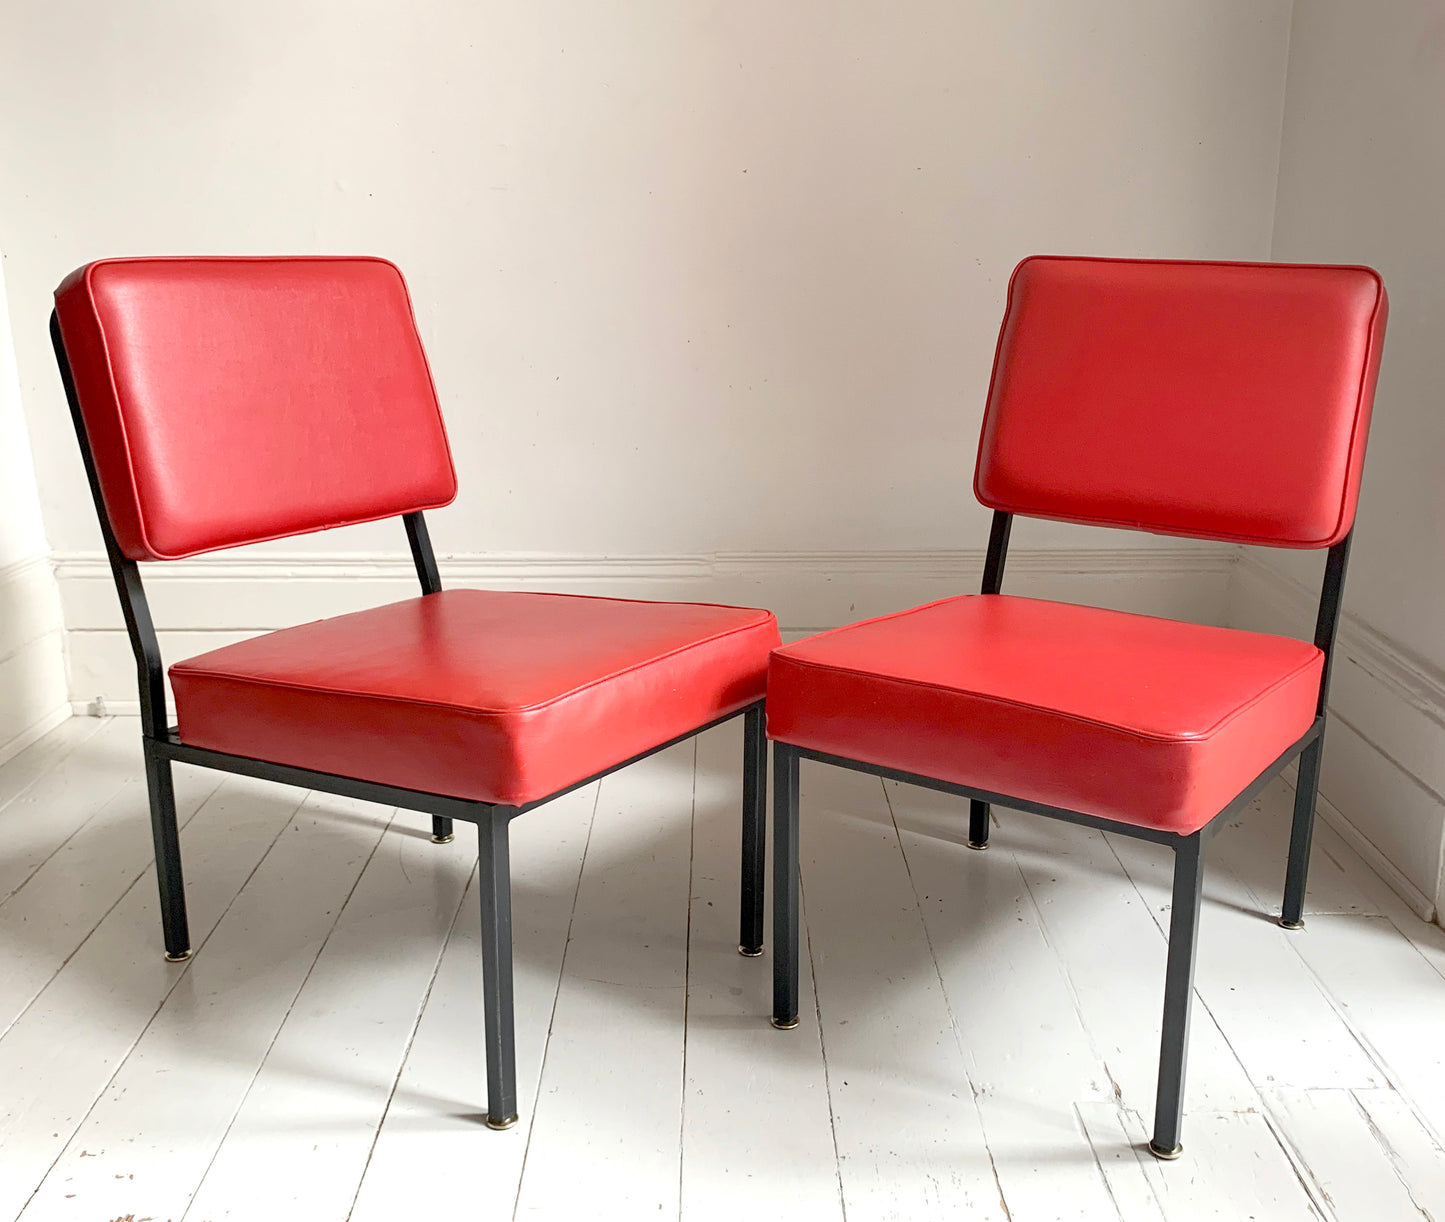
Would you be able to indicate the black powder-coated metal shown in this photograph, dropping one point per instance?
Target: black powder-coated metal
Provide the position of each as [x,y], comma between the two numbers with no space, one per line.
[1301,836]
[1327,621]
[421,552]
[431,583]
[785,885]
[1178,994]
[140,630]
[165,834]
[755,832]
[1307,785]
[998,537]
[163,747]
[494,872]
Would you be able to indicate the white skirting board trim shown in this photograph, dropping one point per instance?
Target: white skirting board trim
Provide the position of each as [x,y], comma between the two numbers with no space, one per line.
[1387,719]
[38,730]
[530,570]
[1422,905]
[202,603]
[16,569]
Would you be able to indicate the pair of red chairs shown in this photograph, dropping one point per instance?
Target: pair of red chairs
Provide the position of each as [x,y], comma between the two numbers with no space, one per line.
[220,402]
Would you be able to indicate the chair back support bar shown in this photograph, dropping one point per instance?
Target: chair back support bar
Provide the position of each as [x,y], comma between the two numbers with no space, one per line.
[229,401]
[1214,400]
[140,629]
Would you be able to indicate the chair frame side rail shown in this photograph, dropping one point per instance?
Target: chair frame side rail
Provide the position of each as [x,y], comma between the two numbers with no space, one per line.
[1188,850]
[162,747]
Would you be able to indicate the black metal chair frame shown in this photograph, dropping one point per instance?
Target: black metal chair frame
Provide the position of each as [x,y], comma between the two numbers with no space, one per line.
[1188,850]
[162,747]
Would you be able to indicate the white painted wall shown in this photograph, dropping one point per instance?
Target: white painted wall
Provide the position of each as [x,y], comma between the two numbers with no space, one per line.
[1362,174]
[33,696]
[694,276]
[711,290]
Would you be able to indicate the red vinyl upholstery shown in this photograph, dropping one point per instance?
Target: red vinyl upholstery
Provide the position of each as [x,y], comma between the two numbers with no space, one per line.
[1218,400]
[499,697]
[1142,720]
[233,400]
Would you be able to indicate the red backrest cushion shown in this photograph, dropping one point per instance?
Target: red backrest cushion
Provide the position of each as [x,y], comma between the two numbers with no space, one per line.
[229,401]
[1218,400]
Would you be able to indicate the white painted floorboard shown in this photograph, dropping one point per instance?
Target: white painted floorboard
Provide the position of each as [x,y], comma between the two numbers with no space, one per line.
[979,1031]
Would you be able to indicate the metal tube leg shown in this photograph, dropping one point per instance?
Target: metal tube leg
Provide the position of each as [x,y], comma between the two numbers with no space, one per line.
[494,881]
[168,857]
[755,833]
[441,830]
[1301,835]
[977,824]
[1178,994]
[785,886]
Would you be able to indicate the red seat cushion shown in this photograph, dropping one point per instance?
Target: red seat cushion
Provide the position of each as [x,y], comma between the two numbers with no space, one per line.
[498,697]
[1142,720]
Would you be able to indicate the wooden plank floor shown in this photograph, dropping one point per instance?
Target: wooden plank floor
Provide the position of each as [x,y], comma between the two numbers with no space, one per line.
[978,1040]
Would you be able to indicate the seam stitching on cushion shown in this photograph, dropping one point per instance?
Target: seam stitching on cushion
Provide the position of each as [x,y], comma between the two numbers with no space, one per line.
[1355,438]
[119,416]
[253,681]
[1016,598]
[1079,718]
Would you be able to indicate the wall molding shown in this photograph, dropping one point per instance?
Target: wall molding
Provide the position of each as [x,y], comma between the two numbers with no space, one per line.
[207,601]
[39,729]
[1422,905]
[526,567]
[17,570]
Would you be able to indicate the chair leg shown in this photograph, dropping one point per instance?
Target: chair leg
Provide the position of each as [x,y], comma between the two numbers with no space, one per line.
[494,881]
[785,886]
[755,833]
[1301,836]
[167,841]
[977,825]
[441,830]
[1178,995]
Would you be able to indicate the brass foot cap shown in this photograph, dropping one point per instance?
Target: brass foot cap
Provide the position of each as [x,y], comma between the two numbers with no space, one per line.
[784,1026]
[752,952]
[1283,924]
[980,845]
[1165,1155]
[443,839]
[502,1124]
[181,958]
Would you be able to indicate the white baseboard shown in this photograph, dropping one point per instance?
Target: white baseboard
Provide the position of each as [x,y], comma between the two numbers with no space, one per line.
[32,661]
[209,601]
[1383,782]
[1422,905]
[38,730]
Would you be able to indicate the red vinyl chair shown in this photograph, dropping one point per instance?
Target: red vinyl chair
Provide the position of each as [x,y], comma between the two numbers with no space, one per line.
[220,402]
[1210,400]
